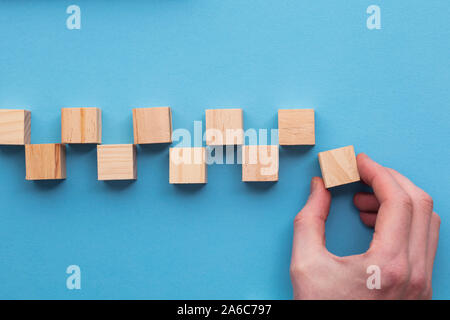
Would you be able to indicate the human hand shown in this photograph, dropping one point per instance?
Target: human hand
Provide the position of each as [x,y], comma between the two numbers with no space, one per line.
[403,246]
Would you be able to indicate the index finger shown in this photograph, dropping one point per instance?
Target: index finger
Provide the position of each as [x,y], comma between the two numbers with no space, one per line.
[378,177]
[394,215]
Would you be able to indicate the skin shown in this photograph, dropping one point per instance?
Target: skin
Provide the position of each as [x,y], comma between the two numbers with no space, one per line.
[404,242]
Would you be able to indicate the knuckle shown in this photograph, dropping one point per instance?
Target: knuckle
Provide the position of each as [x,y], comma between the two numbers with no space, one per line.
[298,269]
[405,201]
[396,274]
[418,282]
[302,220]
[299,220]
[305,266]
[426,201]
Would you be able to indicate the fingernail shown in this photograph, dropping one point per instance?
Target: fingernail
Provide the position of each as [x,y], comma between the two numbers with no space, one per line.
[362,154]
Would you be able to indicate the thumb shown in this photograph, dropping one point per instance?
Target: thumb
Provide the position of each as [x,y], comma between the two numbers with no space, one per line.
[309,224]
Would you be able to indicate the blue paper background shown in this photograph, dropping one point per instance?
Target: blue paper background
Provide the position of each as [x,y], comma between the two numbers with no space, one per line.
[384,91]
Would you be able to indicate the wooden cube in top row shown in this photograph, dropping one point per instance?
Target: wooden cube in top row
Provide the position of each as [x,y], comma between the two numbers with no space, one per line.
[81,125]
[224,127]
[116,162]
[187,165]
[296,127]
[152,125]
[338,166]
[15,127]
[45,161]
[260,163]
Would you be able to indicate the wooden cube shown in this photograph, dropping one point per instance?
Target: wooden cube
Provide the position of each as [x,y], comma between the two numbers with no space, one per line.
[45,161]
[116,162]
[15,127]
[338,166]
[259,163]
[81,125]
[224,127]
[187,165]
[152,125]
[296,127]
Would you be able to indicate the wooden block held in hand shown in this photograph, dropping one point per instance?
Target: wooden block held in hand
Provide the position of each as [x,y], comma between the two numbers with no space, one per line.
[224,127]
[152,125]
[81,125]
[338,166]
[15,127]
[296,127]
[259,163]
[116,162]
[187,165]
[45,161]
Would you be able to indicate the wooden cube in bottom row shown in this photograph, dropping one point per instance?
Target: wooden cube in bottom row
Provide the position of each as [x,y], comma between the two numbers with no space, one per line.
[187,165]
[338,166]
[116,162]
[45,161]
[259,163]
